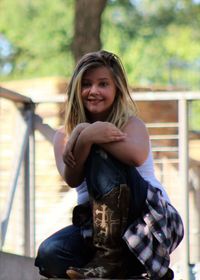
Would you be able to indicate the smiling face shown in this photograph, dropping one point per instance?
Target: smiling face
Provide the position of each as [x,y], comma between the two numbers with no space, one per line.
[98,90]
[98,93]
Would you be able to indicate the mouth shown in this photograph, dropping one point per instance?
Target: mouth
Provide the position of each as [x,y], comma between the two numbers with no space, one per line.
[94,101]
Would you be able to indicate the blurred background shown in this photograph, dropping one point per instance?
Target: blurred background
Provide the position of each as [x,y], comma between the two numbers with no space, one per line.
[40,42]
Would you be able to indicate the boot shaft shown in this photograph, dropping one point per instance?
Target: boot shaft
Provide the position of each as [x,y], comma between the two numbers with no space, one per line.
[110,216]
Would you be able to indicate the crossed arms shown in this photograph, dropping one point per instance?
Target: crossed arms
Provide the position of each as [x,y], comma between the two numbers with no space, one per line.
[130,145]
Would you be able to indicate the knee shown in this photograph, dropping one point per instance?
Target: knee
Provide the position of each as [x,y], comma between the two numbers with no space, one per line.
[46,258]
[46,250]
[43,254]
[58,252]
[54,244]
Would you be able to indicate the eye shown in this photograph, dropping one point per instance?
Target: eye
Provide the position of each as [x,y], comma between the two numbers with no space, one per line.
[85,84]
[103,84]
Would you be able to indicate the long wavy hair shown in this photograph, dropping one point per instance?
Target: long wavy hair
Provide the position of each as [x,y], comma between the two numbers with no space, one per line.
[123,106]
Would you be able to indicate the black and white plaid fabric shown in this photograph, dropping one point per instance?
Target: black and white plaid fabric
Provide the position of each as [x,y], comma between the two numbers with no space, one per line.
[156,234]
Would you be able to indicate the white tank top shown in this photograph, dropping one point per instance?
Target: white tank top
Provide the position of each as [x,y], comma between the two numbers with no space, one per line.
[146,170]
[82,193]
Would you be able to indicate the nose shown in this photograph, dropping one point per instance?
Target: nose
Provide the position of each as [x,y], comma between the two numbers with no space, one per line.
[94,89]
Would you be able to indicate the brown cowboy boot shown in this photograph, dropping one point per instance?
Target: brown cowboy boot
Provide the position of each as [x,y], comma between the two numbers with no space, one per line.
[110,215]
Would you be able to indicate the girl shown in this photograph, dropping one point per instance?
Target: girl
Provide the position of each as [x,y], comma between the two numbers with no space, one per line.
[104,152]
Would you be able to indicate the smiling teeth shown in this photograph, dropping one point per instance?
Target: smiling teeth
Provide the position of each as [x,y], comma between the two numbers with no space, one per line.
[94,99]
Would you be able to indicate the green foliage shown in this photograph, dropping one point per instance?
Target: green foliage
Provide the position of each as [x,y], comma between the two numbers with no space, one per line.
[194,120]
[41,34]
[158,41]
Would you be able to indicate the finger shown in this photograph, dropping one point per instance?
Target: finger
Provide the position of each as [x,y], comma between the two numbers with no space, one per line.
[118,138]
[72,158]
[71,155]
[120,134]
[70,163]
[117,130]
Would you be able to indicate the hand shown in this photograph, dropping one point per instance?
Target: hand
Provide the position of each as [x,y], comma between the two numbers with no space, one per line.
[104,132]
[68,156]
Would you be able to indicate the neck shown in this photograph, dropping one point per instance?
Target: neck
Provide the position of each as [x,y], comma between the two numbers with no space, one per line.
[97,117]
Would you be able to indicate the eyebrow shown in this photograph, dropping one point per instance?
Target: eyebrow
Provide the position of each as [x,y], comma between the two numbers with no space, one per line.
[100,79]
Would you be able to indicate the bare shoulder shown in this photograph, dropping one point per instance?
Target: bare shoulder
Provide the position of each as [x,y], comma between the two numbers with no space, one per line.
[137,131]
[136,124]
[60,130]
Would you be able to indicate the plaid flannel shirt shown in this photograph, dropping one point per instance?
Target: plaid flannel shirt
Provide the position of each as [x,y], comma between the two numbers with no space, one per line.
[156,234]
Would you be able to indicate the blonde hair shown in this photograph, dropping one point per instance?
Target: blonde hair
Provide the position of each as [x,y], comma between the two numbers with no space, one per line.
[123,106]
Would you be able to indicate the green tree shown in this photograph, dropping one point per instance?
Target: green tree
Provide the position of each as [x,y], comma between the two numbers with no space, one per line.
[159,43]
[41,34]
[157,40]
[87,26]
[149,35]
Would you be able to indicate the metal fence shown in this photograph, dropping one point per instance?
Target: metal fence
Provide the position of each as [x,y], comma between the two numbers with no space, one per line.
[25,159]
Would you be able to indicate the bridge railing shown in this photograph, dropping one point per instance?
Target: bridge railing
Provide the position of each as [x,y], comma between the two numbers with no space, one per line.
[25,157]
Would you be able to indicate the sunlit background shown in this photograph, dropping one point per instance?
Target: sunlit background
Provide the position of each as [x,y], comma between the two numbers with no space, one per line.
[159,44]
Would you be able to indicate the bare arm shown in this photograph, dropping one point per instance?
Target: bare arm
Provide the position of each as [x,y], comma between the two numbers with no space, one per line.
[131,146]
[96,133]
[63,146]
[135,147]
